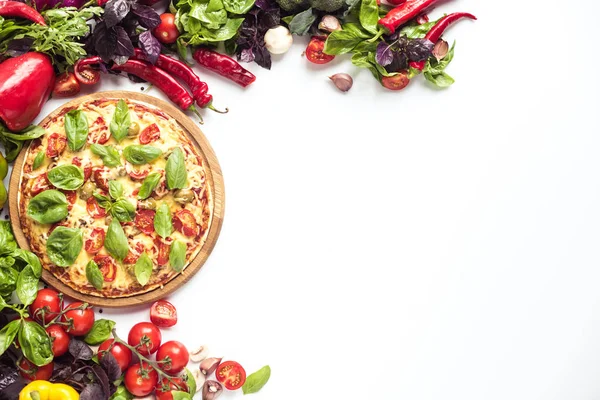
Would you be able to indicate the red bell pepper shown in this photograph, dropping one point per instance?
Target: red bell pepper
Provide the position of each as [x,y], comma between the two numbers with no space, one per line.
[20,10]
[25,85]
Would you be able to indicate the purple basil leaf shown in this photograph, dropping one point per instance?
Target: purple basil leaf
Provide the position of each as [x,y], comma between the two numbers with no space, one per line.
[147,16]
[79,350]
[399,63]
[115,11]
[262,57]
[102,379]
[384,55]
[150,46]
[246,55]
[124,45]
[111,366]
[105,41]
[263,4]
[93,392]
[419,49]
[19,47]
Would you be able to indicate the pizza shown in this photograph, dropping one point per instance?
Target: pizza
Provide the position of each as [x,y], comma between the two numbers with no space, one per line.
[114,197]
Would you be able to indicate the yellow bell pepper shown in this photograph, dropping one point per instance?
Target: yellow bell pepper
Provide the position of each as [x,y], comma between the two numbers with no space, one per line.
[44,390]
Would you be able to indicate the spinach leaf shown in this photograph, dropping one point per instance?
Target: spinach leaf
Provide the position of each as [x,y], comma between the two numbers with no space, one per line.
[7,239]
[100,331]
[48,207]
[176,171]
[301,23]
[35,343]
[369,15]
[109,154]
[93,275]
[66,177]
[344,41]
[141,154]
[257,380]
[123,210]
[238,6]
[115,189]
[64,245]
[120,121]
[8,334]
[116,241]
[148,185]
[162,221]
[27,285]
[76,126]
[38,160]
[143,269]
[177,255]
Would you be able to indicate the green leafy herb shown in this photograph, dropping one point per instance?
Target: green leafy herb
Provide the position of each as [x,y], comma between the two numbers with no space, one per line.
[27,285]
[109,154]
[48,207]
[29,133]
[162,221]
[115,189]
[237,6]
[121,394]
[66,177]
[416,31]
[175,170]
[100,331]
[120,121]
[346,40]
[148,185]
[35,343]
[369,15]
[8,334]
[38,160]
[257,380]
[123,210]
[143,269]
[301,22]
[64,245]
[116,241]
[76,126]
[28,258]
[103,200]
[141,154]
[93,275]
[434,70]
[179,395]
[191,381]
[177,255]
[7,240]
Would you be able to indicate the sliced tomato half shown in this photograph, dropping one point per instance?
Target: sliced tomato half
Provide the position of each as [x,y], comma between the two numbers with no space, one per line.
[56,145]
[150,134]
[184,222]
[231,374]
[107,266]
[94,209]
[96,241]
[144,220]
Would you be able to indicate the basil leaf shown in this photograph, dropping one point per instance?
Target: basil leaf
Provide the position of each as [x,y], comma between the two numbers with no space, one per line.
[35,343]
[141,154]
[66,177]
[177,255]
[76,126]
[7,239]
[301,23]
[100,331]
[143,269]
[122,394]
[148,185]
[115,189]
[190,381]
[440,79]
[369,15]
[120,121]
[38,160]
[8,334]
[103,200]
[116,241]
[123,210]
[416,31]
[29,133]
[48,207]
[176,171]
[238,6]
[8,281]
[434,70]
[93,275]
[257,380]
[162,221]
[27,285]
[64,245]
[29,258]
[109,154]
[179,395]
[344,41]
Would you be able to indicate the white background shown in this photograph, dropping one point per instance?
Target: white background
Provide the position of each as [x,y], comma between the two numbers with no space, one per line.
[417,245]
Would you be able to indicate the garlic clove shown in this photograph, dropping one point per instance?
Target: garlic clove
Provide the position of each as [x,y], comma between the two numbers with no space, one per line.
[329,23]
[278,40]
[200,378]
[211,390]
[209,365]
[440,50]
[199,354]
[342,81]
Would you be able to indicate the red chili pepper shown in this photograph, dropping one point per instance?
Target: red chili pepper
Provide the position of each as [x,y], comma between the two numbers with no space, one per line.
[26,82]
[224,66]
[436,32]
[20,10]
[402,14]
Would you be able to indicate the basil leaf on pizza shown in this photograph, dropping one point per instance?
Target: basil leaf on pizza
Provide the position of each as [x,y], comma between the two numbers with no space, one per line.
[38,160]
[64,245]
[109,154]
[122,210]
[176,171]
[48,207]
[163,224]
[66,177]
[93,275]
[76,127]
[103,200]
[120,121]
[116,241]
[177,255]
[148,185]
[115,189]
[139,154]
[143,269]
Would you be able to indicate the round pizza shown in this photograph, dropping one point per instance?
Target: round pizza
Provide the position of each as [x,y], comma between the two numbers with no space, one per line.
[114,198]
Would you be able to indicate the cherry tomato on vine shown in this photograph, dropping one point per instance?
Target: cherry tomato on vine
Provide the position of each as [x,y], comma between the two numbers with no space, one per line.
[231,374]
[60,340]
[163,314]
[314,52]
[30,371]
[66,85]
[140,379]
[145,337]
[49,301]
[165,387]
[80,321]
[396,82]
[121,353]
[166,32]
[172,357]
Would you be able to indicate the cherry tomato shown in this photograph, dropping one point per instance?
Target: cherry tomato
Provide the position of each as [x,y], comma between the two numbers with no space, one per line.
[314,52]
[172,357]
[80,321]
[87,170]
[150,134]
[165,387]
[86,75]
[98,132]
[163,314]
[71,196]
[56,145]
[30,371]
[163,251]
[96,241]
[40,184]
[396,82]
[60,340]
[107,266]
[184,222]
[144,220]
[99,177]
[121,353]
[166,32]
[138,175]
[66,85]
[94,209]
[231,374]
[140,379]
[49,301]
[145,337]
